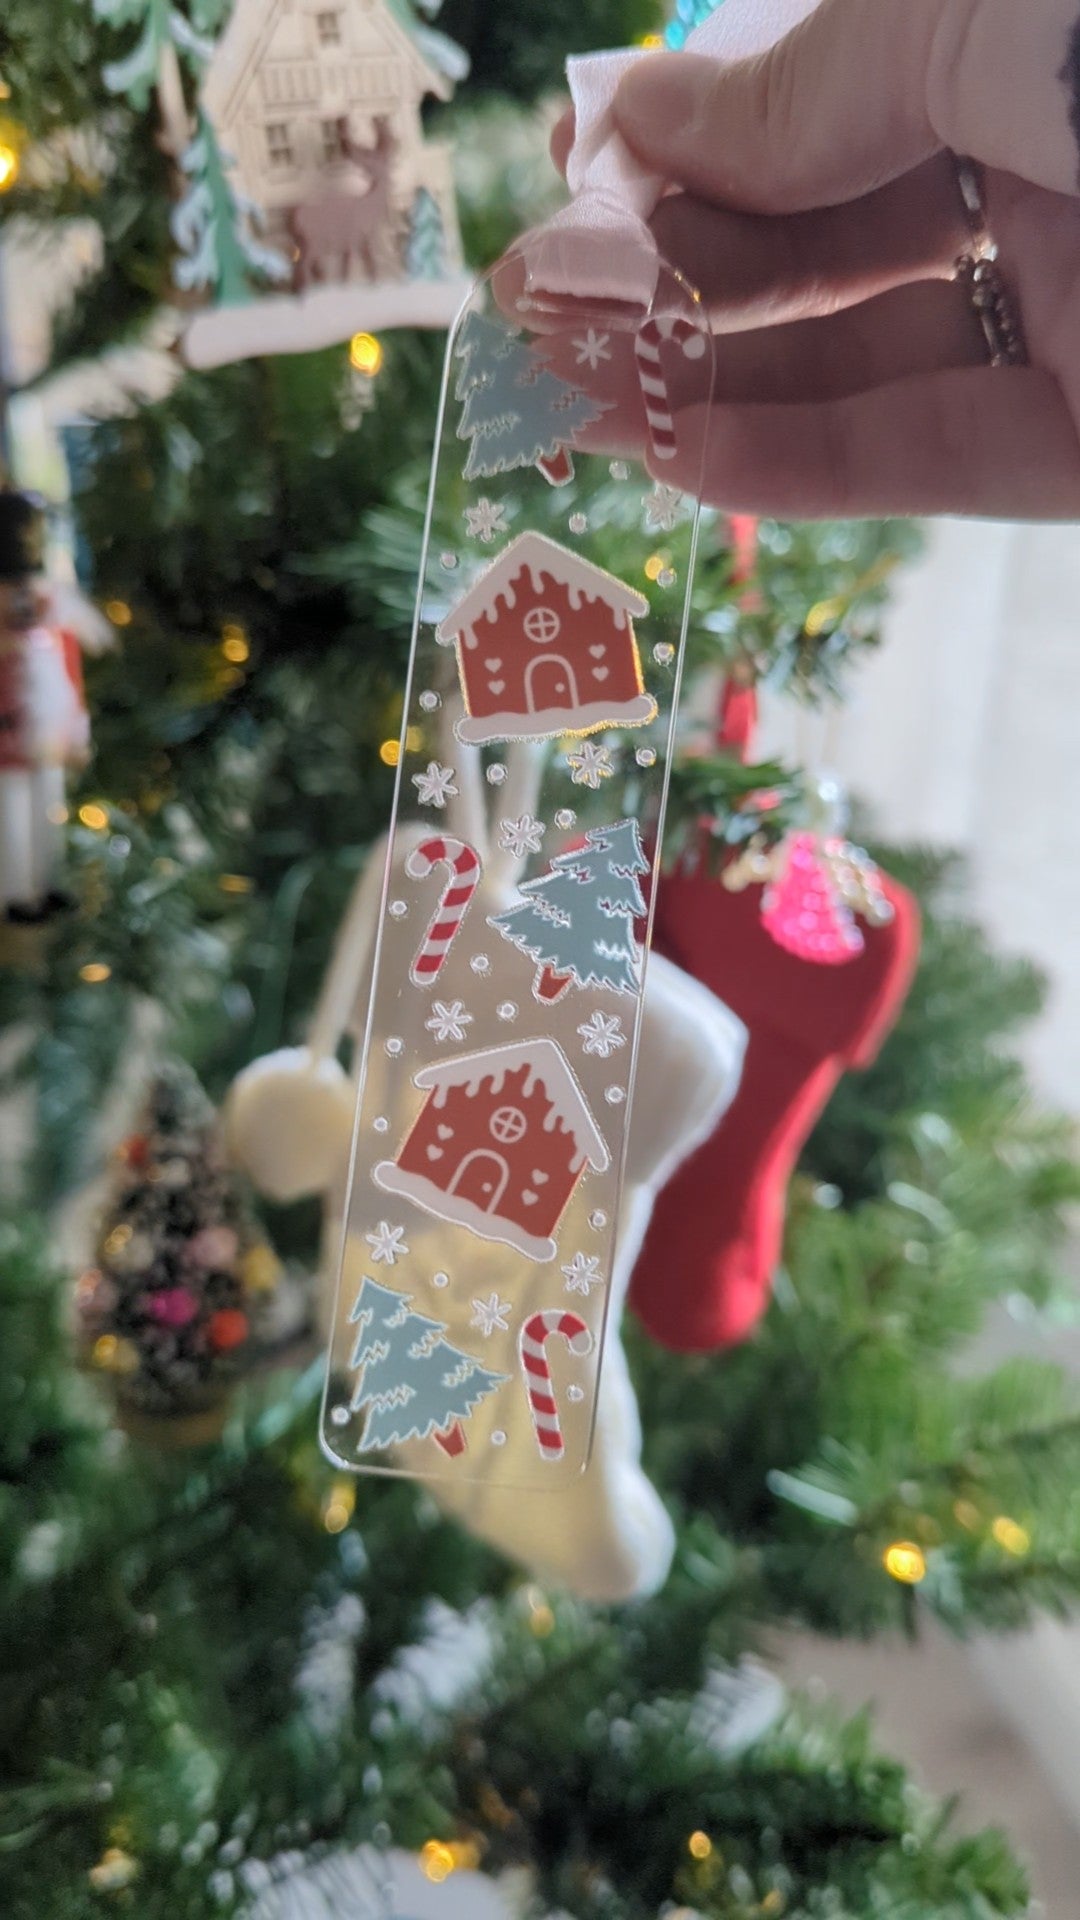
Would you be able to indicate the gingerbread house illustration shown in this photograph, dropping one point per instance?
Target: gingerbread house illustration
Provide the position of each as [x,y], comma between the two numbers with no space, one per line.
[546,645]
[318,104]
[500,1145]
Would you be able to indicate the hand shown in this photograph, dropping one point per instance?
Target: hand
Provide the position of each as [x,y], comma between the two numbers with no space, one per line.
[820,216]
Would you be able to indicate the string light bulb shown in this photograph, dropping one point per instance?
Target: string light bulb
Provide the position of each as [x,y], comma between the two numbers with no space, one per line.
[1010,1535]
[338,1506]
[541,1618]
[95,973]
[365,354]
[655,565]
[118,612]
[822,616]
[94,817]
[114,1871]
[235,644]
[437,1861]
[440,1858]
[9,166]
[905,1562]
[699,1846]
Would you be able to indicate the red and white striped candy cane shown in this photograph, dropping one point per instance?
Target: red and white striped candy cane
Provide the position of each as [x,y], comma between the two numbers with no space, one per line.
[535,1334]
[462,863]
[652,336]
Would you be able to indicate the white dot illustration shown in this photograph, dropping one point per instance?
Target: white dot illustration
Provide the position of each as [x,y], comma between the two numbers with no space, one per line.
[619,470]
[645,757]
[598,1219]
[430,701]
[665,577]
[394,1046]
[508,1010]
[382,1124]
[398,909]
[565,817]
[340,1416]
[663,653]
[498,1438]
[496,774]
[448,562]
[480,963]
[615,1096]
[578,522]
[440,1279]
[575,1393]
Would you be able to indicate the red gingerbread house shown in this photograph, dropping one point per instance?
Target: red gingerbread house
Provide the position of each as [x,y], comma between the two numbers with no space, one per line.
[500,1145]
[546,645]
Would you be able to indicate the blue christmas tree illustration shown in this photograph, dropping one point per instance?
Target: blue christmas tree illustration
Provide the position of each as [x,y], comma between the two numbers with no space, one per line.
[517,413]
[413,1384]
[577,920]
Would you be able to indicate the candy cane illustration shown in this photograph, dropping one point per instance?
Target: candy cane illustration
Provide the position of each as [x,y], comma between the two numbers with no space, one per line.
[462,863]
[535,1334]
[651,337]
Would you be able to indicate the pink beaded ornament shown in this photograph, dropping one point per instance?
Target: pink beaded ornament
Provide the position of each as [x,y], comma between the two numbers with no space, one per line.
[803,911]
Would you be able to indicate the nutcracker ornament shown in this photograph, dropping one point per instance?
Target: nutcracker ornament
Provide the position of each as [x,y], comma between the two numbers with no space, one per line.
[43,722]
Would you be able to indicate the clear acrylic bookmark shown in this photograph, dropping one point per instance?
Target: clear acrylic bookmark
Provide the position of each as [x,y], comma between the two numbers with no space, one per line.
[496,1081]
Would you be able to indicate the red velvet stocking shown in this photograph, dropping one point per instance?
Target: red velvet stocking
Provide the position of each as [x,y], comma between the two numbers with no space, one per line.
[704,1273]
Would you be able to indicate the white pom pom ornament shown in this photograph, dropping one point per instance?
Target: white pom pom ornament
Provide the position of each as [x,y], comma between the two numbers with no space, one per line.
[288,1122]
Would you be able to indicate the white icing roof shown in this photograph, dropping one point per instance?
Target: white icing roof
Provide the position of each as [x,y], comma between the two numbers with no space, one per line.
[541,556]
[547,1063]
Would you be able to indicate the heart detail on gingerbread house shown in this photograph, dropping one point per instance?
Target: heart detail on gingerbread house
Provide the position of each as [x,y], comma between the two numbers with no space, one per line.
[445,1133]
[600,673]
[493,665]
[434,1153]
[496,686]
[529,1197]
[540,1178]
[598,652]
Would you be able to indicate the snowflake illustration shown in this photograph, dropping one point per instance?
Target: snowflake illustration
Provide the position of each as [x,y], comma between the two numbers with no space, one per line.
[485,520]
[489,1314]
[435,785]
[387,1243]
[583,1273]
[603,1034]
[593,349]
[448,1020]
[521,837]
[589,765]
[663,507]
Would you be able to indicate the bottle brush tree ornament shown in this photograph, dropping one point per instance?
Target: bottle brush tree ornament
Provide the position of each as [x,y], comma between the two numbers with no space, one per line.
[171,1309]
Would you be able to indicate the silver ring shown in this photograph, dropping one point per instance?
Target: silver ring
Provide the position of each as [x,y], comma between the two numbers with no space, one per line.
[977,271]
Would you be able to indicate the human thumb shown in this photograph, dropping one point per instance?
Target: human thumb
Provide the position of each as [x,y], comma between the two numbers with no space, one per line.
[859,92]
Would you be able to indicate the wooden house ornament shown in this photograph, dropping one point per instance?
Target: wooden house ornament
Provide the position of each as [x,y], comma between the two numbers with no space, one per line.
[316,106]
[500,1145]
[546,646]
